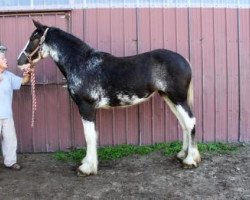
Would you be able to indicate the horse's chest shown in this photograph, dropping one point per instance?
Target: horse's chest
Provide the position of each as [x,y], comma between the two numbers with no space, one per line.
[75,84]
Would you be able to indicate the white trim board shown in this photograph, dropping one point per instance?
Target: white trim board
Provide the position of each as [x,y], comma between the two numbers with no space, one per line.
[5,5]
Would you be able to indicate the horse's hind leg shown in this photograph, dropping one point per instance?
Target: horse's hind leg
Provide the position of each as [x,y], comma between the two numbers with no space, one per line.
[189,153]
[193,155]
[183,153]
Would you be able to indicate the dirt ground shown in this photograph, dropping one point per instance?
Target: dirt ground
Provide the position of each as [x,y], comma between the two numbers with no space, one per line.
[154,176]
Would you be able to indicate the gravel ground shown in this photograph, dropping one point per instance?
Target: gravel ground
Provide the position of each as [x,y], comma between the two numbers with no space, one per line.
[154,176]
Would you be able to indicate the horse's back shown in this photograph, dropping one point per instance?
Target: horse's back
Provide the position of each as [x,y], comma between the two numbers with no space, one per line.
[145,68]
[167,59]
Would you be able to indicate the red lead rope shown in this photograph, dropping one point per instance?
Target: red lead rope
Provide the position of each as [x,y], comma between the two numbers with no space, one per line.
[33,95]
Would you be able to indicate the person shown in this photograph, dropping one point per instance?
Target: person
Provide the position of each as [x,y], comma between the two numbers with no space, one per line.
[8,83]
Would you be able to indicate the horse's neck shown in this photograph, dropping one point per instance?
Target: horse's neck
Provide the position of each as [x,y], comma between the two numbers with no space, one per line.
[66,55]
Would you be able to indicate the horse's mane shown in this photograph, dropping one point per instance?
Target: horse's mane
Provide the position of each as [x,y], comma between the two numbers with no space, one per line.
[69,39]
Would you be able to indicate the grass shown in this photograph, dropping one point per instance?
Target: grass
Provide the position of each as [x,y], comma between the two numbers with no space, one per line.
[120,151]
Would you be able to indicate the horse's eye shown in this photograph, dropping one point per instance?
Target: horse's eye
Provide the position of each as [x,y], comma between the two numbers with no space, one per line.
[35,34]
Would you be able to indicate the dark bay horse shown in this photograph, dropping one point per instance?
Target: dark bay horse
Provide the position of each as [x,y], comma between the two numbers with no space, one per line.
[100,80]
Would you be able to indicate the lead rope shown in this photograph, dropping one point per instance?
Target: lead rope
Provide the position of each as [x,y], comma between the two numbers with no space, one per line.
[32,77]
[33,95]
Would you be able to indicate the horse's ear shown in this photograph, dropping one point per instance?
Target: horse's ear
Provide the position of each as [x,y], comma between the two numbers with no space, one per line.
[38,25]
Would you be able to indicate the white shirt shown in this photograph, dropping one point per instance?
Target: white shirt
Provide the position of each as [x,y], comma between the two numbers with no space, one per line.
[9,83]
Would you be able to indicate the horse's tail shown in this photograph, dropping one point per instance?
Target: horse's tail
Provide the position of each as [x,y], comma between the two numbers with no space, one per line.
[190,94]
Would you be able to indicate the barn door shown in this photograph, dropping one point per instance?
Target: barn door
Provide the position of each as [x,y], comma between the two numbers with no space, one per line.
[15,30]
[51,131]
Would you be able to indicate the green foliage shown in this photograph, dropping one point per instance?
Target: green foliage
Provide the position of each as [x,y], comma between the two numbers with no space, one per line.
[172,148]
[218,147]
[74,155]
[120,151]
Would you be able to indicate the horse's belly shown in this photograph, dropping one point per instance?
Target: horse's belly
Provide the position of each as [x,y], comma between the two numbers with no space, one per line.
[121,101]
[126,100]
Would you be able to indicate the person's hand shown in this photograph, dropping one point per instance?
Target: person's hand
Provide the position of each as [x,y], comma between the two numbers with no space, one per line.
[28,71]
[3,63]
[26,75]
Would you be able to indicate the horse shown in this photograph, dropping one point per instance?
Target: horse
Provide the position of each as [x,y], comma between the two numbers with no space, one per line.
[98,79]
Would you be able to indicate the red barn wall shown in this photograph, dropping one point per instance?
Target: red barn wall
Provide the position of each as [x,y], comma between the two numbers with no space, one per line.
[215,40]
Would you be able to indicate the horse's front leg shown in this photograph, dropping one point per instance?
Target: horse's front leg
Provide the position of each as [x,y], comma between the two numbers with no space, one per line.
[90,162]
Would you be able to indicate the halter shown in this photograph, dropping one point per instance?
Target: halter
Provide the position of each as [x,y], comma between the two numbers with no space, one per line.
[37,49]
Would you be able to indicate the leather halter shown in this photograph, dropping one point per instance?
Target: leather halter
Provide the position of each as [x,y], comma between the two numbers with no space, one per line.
[37,49]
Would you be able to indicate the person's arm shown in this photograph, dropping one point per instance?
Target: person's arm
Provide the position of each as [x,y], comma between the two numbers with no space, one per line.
[17,81]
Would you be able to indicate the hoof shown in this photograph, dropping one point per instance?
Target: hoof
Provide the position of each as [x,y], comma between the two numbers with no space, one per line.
[86,169]
[186,166]
[79,173]
[197,160]
[189,163]
[192,160]
[181,155]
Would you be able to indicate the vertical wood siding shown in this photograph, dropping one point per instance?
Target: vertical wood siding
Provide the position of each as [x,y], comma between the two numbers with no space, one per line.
[244,73]
[216,41]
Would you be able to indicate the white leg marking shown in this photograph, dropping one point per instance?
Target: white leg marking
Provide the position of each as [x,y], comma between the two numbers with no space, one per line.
[182,154]
[189,153]
[90,162]
[188,121]
[193,157]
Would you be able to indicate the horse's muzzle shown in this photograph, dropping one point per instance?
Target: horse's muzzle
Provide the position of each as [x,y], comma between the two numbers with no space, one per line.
[24,67]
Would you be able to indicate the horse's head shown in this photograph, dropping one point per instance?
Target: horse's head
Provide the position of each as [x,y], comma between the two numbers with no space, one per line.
[33,50]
